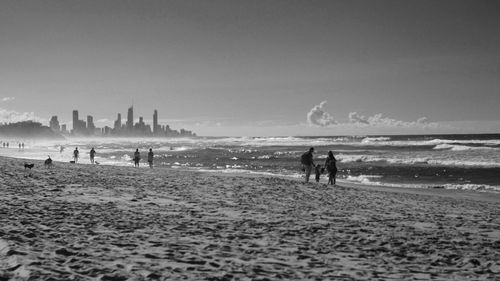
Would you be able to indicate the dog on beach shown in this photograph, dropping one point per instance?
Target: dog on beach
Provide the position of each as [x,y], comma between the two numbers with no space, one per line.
[48,163]
[29,166]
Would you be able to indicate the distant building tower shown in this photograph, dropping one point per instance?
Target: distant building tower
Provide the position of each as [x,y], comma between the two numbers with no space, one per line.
[75,121]
[78,125]
[63,129]
[54,124]
[155,123]
[130,118]
[90,124]
[118,122]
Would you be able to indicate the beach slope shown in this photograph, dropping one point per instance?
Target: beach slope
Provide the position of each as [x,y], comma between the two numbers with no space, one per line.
[83,222]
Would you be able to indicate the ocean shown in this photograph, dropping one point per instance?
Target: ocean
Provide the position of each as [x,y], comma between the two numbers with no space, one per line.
[468,162]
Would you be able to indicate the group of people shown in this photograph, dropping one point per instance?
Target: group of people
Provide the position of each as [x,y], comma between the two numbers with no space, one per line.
[137,156]
[330,166]
[6,145]
[308,165]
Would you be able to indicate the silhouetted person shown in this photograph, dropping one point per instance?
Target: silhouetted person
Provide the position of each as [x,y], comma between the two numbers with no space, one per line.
[317,171]
[150,158]
[22,145]
[76,154]
[7,145]
[307,162]
[137,157]
[19,146]
[61,149]
[331,168]
[92,155]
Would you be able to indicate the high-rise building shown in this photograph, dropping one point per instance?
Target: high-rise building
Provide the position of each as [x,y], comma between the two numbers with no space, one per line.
[118,122]
[130,118]
[90,124]
[75,121]
[54,124]
[155,123]
[79,126]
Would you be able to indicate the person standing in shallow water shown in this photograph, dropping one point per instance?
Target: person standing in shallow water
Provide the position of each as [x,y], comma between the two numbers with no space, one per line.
[92,155]
[307,163]
[137,157]
[76,154]
[331,167]
[150,158]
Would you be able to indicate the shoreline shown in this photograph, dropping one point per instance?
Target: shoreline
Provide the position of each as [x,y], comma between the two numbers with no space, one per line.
[487,196]
[116,223]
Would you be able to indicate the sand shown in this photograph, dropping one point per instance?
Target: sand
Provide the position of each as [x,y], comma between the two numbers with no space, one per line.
[82,222]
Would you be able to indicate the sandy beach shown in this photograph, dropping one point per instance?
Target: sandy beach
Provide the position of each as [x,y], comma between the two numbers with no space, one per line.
[83,222]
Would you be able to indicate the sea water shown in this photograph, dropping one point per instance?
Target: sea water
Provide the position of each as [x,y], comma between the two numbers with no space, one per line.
[424,161]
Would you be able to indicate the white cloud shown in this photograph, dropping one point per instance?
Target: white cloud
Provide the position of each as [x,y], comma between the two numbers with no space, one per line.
[317,116]
[378,120]
[6,99]
[354,117]
[11,116]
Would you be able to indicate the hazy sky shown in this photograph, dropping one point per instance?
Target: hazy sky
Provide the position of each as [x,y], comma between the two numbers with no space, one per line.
[256,67]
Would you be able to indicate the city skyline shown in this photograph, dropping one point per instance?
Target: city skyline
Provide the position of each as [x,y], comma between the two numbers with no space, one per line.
[129,129]
[257,68]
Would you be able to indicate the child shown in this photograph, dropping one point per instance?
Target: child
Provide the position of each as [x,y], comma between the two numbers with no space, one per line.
[318,171]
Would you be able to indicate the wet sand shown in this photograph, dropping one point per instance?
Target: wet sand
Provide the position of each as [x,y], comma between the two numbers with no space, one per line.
[82,222]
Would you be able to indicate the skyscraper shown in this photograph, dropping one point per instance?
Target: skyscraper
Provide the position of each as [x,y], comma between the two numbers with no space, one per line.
[75,120]
[130,118]
[118,122]
[155,123]
[90,124]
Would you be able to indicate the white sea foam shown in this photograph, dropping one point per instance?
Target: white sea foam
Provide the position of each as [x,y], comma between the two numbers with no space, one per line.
[126,158]
[406,160]
[456,147]
[182,144]
[265,157]
[370,180]
[484,142]
[381,141]
[365,179]
[374,139]
[475,187]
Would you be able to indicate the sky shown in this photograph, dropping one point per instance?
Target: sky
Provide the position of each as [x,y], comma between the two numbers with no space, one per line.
[256,68]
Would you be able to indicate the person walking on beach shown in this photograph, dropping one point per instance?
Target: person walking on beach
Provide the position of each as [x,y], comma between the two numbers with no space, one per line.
[307,163]
[331,168]
[137,157]
[76,154]
[92,155]
[150,158]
